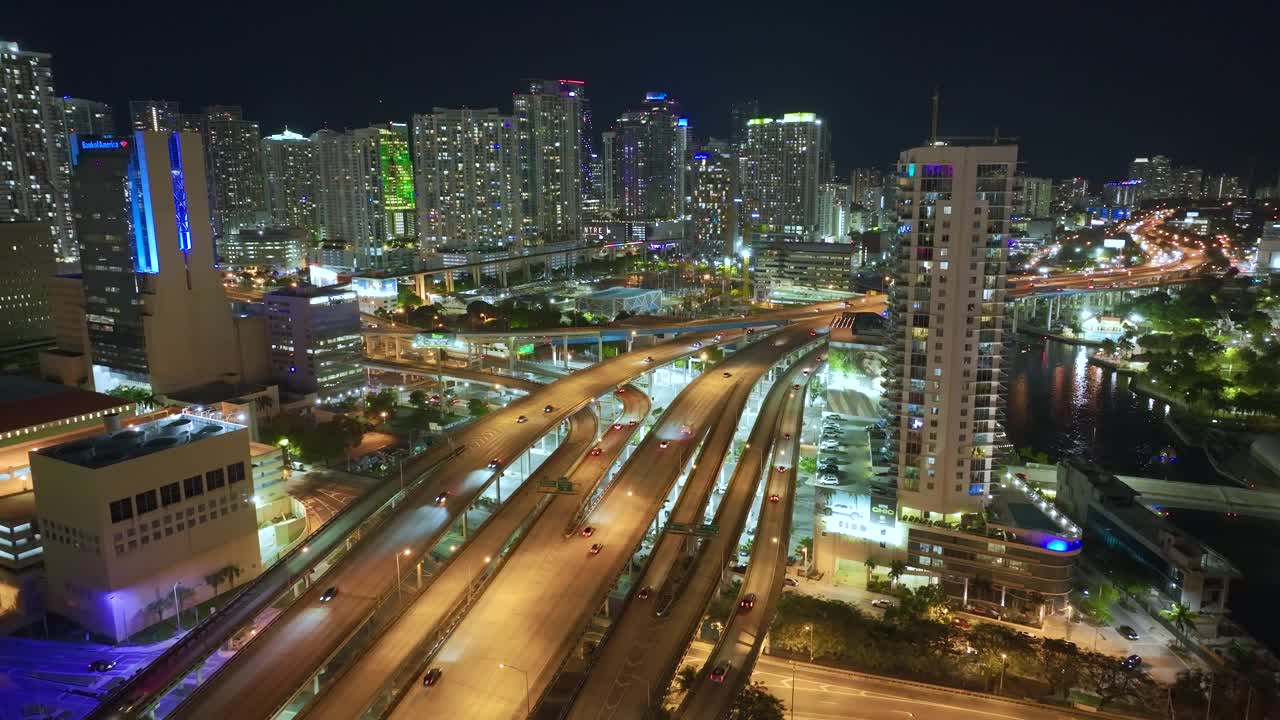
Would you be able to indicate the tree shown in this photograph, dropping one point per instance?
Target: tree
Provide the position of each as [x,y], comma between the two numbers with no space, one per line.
[1058,666]
[1105,677]
[755,703]
[418,399]
[159,605]
[477,407]
[184,593]
[1108,347]
[686,677]
[896,570]
[380,402]
[407,299]
[216,578]
[1182,618]
[870,565]
[231,572]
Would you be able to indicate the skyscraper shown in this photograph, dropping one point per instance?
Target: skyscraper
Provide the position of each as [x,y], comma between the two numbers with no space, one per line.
[1186,183]
[156,312]
[87,117]
[333,184]
[467,179]
[235,169]
[947,324]
[648,156]
[549,124]
[1222,187]
[784,160]
[34,171]
[155,115]
[1069,193]
[27,255]
[366,191]
[1034,197]
[833,212]
[289,181]
[713,191]
[1154,174]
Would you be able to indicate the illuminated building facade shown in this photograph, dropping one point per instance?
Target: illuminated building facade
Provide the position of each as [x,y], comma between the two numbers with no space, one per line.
[468,179]
[549,124]
[316,346]
[648,149]
[155,115]
[234,163]
[289,181]
[713,193]
[783,162]
[87,117]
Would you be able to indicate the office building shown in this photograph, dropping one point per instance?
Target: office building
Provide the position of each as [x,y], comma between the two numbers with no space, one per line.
[234,164]
[315,340]
[1222,187]
[713,193]
[333,185]
[1186,183]
[148,263]
[1034,197]
[779,265]
[1267,260]
[648,157]
[68,362]
[156,115]
[1070,193]
[131,518]
[948,324]
[833,212]
[34,172]
[1154,172]
[467,176]
[27,264]
[549,118]
[783,163]
[289,181]
[87,117]
[276,248]
[739,113]
[1123,194]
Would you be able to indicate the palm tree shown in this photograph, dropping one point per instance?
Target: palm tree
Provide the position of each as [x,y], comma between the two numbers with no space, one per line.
[184,593]
[896,569]
[686,677]
[1182,618]
[232,572]
[216,578]
[870,565]
[159,605]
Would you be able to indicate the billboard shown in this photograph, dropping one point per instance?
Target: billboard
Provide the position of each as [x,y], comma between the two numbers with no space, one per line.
[1113,243]
[857,381]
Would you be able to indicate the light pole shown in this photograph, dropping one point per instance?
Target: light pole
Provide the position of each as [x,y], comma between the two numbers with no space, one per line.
[793,690]
[399,596]
[112,600]
[809,629]
[1004,660]
[177,608]
[528,710]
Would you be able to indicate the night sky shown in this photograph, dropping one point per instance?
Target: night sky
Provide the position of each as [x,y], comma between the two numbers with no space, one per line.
[1086,86]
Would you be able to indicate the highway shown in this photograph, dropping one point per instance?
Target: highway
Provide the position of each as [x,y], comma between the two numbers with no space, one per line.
[827,694]
[356,688]
[533,614]
[632,668]
[743,635]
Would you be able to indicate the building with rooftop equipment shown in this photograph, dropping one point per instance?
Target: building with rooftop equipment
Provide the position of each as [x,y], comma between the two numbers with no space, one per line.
[276,248]
[778,265]
[783,163]
[28,254]
[289,181]
[316,345]
[646,158]
[549,123]
[134,520]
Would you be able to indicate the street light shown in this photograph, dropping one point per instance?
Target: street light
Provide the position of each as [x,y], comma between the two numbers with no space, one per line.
[1004,660]
[809,629]
[177,608]
[399,596]
[528,710]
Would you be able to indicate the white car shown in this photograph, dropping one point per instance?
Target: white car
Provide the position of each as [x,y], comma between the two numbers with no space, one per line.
[828,481]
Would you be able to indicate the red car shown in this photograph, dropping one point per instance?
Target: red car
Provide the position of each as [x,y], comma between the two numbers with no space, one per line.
[588,531]
[782,468]
[813,333]
[621,390]
[747,602]
[595,549]
[774,498]
[595,452]
[632,423]
[495,463]
[717,675]
[796,386]
[663,444]
[686,430]
[644,593]
[617,426]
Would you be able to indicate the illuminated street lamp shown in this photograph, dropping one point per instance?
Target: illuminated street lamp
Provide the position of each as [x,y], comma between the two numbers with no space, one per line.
[528,710]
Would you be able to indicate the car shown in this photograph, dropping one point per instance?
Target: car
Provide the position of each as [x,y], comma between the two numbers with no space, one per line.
[828,481]
[329,594]
[882,603]
[621,390]
[101,665]
[719,672]
[442,499]
[747,602]
[813,333]
[774,498]
[435,398]
[663,445]
[432,677]
[1127,632]
[617,426]
[522,419]
[739,569]
[495,463]
[790,582]
[588,531]
[806,372]
[648,359]
[595,549]
[686,430]
[782,468]
[786,436]
[547,409]
[596,451]
[751,331]
[645,593]
[1133,662]
[960,623]
[632,423]
[728,375]
[796,386]
[696,345]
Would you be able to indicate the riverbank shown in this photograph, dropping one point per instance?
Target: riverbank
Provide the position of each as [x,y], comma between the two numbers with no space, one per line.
[1065,339]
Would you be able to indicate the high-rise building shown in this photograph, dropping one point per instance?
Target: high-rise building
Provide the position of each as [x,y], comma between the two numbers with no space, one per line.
[864,185]
[833,212]
[1154,174]
[1123,194]
[739,113]
[156,115]
[234,163]
[156,312]
[1186,183]
[27,264]
[274,248]
[467,178]
[947,329]
[783,162]
[365,192]
[1034,197]
[648,154]
[1222,187]
[549,124]
[289,181]
[713,193]
[34,171]
[1069,193]
[88,117]
[316,345]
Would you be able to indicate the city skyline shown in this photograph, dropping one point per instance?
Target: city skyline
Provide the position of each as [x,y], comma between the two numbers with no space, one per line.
[1068,120]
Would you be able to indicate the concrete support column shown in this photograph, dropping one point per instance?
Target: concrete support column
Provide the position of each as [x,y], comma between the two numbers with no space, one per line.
[965,599]
[448,282]
[566,352]
[475,275]
[420,286]
[1002,589]
[600,347]
[511,354]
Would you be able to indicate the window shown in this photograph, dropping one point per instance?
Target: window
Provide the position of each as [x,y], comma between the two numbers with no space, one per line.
[170,494]
[215,479]
[146,502]
[193,486]
[121,510]
[235,472]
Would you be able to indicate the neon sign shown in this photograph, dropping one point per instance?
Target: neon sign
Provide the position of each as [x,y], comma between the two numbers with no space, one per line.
[103,144]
